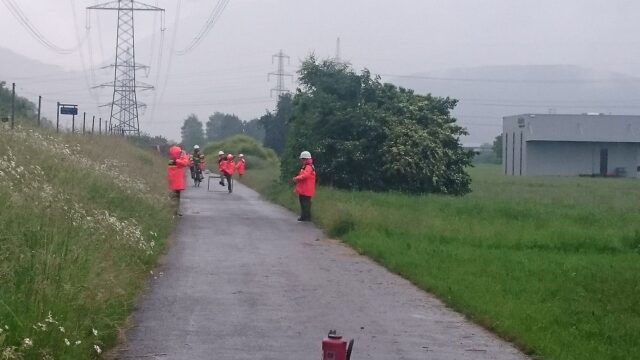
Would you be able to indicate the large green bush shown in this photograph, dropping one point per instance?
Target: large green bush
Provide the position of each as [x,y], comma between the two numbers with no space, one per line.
[368,135]
[240,144]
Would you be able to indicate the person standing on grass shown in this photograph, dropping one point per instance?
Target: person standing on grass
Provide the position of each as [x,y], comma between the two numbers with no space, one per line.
[175,173]
[240,165]
[305,185]
[228,168]
[221,160]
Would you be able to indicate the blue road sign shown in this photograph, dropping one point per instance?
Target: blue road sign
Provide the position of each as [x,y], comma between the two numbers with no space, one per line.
[67,110]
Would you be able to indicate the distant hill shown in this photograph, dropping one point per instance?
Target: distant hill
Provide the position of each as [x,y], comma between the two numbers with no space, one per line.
[15,65]
[488,93]
[34,77]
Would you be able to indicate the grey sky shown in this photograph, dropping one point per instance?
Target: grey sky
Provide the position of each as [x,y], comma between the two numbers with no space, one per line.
[228,71]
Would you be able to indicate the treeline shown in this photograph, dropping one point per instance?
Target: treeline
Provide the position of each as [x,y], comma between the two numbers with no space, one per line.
[219,126]
[363,134]
[25,110]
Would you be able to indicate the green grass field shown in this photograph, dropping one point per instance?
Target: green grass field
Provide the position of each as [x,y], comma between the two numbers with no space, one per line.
[83,220]
[552,264]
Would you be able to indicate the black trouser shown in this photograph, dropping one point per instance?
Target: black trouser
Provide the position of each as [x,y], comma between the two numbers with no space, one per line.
[228,177]
[305,207]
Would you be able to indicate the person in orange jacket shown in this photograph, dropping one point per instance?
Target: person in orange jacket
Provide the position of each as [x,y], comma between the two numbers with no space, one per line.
[175,173]
[228,168]
[240,165]
[305,185]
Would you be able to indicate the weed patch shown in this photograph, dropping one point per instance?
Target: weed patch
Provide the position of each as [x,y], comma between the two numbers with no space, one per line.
[83,220]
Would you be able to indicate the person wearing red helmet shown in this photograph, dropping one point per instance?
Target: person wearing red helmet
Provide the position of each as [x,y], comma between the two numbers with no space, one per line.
[240,165]
[228,167]
[305,185]
[175,172]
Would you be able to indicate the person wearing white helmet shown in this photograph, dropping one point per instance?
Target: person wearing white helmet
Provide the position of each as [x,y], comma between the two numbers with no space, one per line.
[305,185]
[196,165]
[221,160]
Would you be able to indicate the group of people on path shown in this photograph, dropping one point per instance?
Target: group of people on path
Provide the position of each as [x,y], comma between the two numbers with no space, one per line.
[227,167]
[305,181]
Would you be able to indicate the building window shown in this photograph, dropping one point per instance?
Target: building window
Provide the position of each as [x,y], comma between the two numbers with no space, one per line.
[505,151]
[513,153]
[521,153]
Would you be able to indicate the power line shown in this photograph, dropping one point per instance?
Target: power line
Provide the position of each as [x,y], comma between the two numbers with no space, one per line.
[80,52]
[169,62]
[206,28]
[512,81]
[19,15]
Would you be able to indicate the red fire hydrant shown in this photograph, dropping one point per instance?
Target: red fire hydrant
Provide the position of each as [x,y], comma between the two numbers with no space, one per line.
[336,348]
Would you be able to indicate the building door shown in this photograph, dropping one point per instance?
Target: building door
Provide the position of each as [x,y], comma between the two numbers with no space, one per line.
[604,161]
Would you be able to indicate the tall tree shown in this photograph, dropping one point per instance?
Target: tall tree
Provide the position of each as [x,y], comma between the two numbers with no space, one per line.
[192,132]
[254,129]
[497,147]
[276,124]
[221,125]
[365,134]
[25,110]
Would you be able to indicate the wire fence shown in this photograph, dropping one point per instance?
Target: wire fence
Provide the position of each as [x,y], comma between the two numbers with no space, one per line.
[82,123]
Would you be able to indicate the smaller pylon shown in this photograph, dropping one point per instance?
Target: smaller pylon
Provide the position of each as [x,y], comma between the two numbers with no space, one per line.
[280,74]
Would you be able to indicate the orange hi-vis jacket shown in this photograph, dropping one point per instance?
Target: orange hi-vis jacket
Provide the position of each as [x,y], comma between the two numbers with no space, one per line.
[175,171]
[228,166]
[240,166]
[306,180]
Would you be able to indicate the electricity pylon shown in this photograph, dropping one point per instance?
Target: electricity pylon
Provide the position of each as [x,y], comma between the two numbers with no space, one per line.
[280,74]
[124,104]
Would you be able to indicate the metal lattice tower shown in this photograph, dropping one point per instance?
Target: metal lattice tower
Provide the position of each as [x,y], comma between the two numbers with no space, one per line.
[124,105]
[280,74]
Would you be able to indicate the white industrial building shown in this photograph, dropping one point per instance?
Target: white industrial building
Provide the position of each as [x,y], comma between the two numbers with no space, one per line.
[571,145]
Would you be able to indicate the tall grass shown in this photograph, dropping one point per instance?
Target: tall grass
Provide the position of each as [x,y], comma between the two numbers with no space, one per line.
[552,264]
[83,221]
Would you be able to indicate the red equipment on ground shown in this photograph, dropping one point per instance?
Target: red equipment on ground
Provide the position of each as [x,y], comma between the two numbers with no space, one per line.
[334,347]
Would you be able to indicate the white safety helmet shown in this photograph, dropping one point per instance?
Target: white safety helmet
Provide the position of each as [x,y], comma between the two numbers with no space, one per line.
[241,155]
[196,147]
[305,155]
[220,152]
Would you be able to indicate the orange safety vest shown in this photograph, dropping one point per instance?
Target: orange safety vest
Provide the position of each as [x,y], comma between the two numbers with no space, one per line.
[306,180]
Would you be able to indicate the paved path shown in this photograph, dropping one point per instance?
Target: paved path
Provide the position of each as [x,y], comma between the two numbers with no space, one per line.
[245,280]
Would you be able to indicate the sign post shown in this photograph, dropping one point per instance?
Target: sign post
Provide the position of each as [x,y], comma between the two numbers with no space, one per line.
[66,109]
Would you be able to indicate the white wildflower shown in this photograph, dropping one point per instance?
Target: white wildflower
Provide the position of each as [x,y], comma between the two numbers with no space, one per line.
[61,329]
[95,332]
[98,350]
[27,343]
[50,319]
[67,342]
[78,342]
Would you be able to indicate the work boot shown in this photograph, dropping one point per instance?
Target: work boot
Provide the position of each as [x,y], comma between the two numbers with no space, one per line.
[221,183]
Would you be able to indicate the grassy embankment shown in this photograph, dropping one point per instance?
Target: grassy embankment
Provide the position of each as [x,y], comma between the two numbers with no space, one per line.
[552,264]
[83,220]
